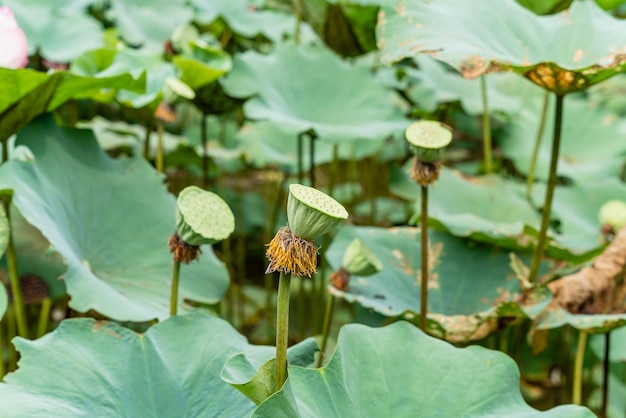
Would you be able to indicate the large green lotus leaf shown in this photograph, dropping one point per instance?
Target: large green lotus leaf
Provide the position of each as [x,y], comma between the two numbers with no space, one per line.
[433,84]
[611,94]
[308,87]
[617,389]
[493,208]
[202,66]
[577,207]
[107,62]
[149,22]
[95,368]
[566,52]
[398,371]
[593,141]
[58,30]
[463,295]
[28,93]
[110,220]
[247,19]
[267,143]
[556,318]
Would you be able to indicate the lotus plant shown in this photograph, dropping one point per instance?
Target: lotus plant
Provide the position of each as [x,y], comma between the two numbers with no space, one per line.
[427,139]
[310,214]
[202,217]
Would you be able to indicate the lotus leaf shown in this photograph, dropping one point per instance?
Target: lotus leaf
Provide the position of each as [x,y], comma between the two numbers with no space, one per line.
[59,31]
[171,370]
[149,22]
[4,301]
[202,66]
[556,318]
[398,371]
[28,93]
[557,52]
[493,211]
[577,208]
[245,18]
[308,87]
[462,296]
[113,238]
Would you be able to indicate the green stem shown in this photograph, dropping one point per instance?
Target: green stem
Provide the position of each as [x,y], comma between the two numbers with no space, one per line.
[146,142]
[533,161]
[205,152]
[328,315]
[547,206]
[300,153]
[297,11]
[334,169]
[312,159]
[160,161]
[605,377]
[174,291]
[424,264]
[44,317]
[11,258]
[282,329]
[486,126]
[2,369]
[11,332]
[578,368]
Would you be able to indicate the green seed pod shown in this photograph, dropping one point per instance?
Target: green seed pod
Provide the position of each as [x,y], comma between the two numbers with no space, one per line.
[613,213]
[360,260]
[312,213]
[202,217]
[428,139]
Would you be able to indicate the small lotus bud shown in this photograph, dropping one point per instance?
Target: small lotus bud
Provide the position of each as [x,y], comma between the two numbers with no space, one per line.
[360,260]
[613,213]
[202,217]
[312,213]
[428,139]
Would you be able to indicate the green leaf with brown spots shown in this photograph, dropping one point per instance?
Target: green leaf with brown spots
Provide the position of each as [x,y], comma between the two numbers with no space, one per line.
[566,52]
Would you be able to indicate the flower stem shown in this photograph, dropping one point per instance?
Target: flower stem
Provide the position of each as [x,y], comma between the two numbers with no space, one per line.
[424,266]
[44,317]
[488,159]
[160,161]
[174,291]
[282,329]
[547,206]
[2,369]
[533,160]
[578,368]
[605,377]
[330,305]
[297,11]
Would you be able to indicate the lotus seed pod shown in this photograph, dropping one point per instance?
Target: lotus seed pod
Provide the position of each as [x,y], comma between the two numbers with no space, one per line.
[202,217]
[428,139]
[613,213]
[360,260]
[312,213]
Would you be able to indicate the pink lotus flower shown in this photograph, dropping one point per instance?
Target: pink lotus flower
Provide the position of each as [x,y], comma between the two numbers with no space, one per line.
[13,46]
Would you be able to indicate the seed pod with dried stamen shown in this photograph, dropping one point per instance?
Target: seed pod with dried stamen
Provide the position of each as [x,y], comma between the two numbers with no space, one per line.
[360,260]
[203,217]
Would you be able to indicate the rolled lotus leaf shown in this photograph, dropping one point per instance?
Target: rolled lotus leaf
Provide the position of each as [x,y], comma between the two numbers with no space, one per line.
[203,217]
[613,213]
[312,213]
[428,139]
[360,260]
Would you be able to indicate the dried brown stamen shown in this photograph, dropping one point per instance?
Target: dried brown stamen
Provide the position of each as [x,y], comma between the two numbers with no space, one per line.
[183,252]
[291,254]
[425,173]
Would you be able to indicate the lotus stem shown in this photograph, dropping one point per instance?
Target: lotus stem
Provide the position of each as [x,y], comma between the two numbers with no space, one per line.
[533,160]
[424,266]
[44,317]
[282,329]
[297,11]
[578,368]
[146,142]
[174,291]
[11,333]
[11,258]
[328,315]
[312,159]
[160,160]
[300,153]
[488,159]
[205,152]
[605,377]
[2,369]
[547,206]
